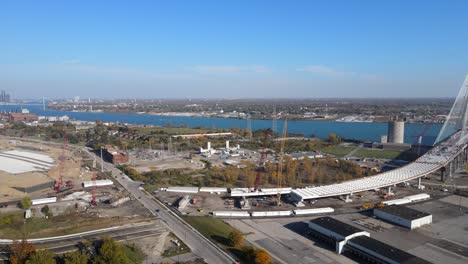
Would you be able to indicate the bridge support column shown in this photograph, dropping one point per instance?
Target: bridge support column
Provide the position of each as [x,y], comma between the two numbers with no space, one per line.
[389,190]
[419,183]
[442,174]
[450,170]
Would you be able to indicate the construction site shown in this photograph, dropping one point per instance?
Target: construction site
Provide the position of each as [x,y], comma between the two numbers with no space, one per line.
[69,195]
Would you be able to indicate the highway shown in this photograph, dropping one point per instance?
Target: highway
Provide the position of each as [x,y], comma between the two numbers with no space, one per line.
[63,244]
[199,244]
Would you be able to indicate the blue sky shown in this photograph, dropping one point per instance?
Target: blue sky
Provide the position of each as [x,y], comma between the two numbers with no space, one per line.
[233,49]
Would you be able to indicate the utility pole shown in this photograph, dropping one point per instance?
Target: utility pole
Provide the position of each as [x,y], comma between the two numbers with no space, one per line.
[102,162]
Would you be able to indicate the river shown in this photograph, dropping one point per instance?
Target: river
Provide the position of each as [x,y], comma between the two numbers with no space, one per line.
[358,131]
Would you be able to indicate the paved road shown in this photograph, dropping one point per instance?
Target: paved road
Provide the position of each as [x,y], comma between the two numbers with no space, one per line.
[351,153]
[199,245]
[68,243]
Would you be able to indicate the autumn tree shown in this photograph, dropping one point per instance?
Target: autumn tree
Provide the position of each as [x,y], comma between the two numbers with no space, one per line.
[41,257]
[20,251]
[110,252]
[236,239]
[76,257]
[262,257]
[26,202]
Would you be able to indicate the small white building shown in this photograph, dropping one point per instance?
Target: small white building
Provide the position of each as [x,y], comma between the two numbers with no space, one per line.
[403,216]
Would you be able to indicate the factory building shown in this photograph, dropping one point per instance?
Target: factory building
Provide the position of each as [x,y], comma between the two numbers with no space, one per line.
[374,251]
[114,155]
[403,216]
[22,117]
[334,232]
[396,132]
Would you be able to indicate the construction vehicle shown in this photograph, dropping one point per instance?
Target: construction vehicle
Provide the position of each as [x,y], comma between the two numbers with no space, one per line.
[280,162]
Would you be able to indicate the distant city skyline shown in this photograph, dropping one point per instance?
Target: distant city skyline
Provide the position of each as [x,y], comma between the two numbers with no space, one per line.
[238,49]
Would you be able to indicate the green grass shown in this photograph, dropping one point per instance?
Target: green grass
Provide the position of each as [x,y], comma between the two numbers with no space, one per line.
[134,253]
[210,227]
[377,153]
[174,251]
[339,151]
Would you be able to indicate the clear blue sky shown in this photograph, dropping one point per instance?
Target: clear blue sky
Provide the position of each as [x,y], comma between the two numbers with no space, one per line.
[233,49]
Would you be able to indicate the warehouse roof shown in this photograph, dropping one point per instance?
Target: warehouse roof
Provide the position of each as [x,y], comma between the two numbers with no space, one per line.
[336,226]
[403,212]
[386,250]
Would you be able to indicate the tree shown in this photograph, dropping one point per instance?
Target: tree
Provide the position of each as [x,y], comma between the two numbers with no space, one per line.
[42,257]
[20,251]
[333,138]
[236,239]
[76,257]
[111,252]
[26,203]
[262,257]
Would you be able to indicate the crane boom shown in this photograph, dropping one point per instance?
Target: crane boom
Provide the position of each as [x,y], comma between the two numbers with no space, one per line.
[280,161]
[262,160]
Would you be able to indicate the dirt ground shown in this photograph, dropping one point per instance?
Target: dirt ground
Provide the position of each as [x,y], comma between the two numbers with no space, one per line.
[179,161]
[71,168]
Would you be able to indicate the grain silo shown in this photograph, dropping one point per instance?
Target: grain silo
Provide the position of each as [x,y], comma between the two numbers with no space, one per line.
[396,131]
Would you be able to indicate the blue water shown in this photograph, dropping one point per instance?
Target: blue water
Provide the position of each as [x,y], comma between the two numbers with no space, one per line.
[358,131]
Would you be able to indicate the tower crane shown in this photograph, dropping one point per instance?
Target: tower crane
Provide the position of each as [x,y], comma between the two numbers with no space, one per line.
[421,135]
[62,159]
[280,161]
[261,166]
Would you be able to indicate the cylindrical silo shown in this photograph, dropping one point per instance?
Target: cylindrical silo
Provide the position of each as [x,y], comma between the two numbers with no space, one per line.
[396,132]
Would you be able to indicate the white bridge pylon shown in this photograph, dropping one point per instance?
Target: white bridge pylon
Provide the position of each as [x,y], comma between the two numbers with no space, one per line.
[457,120]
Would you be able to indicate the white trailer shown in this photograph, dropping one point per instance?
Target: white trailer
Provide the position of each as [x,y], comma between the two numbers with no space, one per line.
[217,190]
[324,210]
[182,189]
[97,183]
[271,213]
[44,200]
[230,214]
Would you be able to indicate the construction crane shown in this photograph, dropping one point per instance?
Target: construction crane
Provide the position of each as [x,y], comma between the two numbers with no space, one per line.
[93,190]
[261,166]
[280,161]
[421,135]
[62,159]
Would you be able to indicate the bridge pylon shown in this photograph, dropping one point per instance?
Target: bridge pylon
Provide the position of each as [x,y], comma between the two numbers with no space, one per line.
[457,120]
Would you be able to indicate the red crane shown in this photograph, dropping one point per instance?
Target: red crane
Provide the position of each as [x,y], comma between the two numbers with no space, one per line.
[421,135]
[261,167]
[62,158]
[93,190]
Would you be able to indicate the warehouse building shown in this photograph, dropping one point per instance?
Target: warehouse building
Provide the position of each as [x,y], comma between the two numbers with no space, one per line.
[334,232]
[115,155]
[374,251]
[403,216]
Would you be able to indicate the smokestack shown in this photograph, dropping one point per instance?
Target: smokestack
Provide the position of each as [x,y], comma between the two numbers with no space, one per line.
[227,144]
[209,146]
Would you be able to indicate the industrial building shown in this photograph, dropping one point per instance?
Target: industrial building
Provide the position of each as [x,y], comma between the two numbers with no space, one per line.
[349,239]
[22,117]
[403,216]
[114,155]
[374,251]
[334,232]
[396,132]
